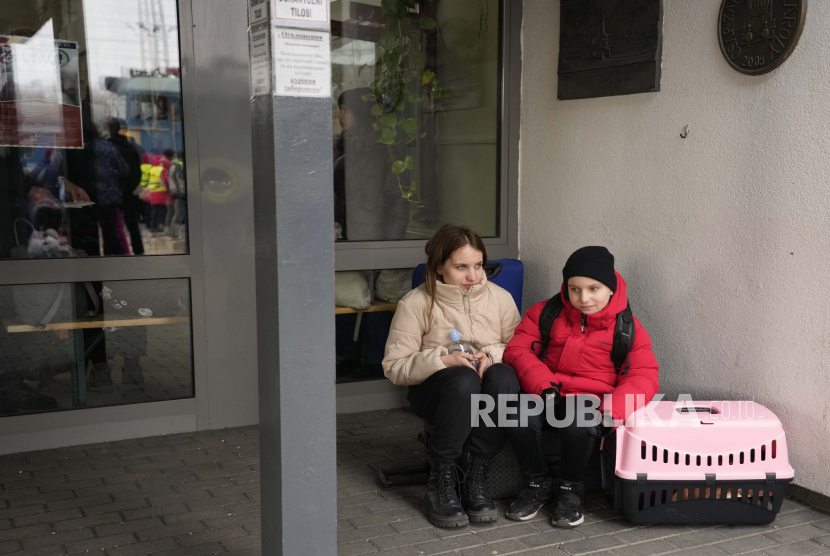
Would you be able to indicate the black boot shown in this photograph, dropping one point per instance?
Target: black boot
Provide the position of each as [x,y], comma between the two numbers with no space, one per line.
[441,503]
[474,494]
[570,501]
[534,494]
[100,377]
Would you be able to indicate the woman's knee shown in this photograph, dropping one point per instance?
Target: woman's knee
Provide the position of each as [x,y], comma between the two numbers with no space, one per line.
[462,381]
[500,379]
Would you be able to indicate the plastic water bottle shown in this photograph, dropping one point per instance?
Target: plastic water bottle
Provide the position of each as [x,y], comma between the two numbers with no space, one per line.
[460,345]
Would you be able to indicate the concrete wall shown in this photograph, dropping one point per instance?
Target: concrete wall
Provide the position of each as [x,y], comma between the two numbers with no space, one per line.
[722,237]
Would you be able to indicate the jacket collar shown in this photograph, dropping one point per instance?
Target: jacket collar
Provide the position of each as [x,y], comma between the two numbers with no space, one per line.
[607,318]
[454,295]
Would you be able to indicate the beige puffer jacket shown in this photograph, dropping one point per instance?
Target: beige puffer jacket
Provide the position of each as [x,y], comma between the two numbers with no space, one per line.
[485,316]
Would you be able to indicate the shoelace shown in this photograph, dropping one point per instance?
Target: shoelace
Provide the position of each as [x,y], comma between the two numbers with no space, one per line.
[446,484]
[478,478]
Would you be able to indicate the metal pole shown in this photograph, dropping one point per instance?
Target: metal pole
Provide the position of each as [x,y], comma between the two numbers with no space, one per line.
[294,224]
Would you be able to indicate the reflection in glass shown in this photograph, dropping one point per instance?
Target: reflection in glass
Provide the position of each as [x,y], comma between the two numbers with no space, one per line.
[91,129]
[416,112]
[93,344]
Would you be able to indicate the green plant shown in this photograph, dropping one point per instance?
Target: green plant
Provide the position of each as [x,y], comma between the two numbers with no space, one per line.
[402,64]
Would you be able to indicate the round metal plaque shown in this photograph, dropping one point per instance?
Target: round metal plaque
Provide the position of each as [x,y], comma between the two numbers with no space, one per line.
[757,36]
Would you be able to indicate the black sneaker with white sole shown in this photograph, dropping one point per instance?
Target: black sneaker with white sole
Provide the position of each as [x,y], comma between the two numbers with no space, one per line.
[570,501]
[533,495]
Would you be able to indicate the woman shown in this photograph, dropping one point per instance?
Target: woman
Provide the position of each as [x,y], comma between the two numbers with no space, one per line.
[455,295]
[577,361]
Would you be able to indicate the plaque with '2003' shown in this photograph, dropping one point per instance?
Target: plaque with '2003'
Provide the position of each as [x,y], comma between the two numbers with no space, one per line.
[757,36]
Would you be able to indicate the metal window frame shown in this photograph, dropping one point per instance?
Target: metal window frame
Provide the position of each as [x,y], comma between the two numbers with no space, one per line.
[151,267]
[410,253]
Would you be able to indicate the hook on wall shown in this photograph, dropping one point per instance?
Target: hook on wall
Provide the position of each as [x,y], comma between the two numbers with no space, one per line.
[685,132]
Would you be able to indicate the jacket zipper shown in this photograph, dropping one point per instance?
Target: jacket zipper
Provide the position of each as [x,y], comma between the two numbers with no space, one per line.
[584,322]
[469,320]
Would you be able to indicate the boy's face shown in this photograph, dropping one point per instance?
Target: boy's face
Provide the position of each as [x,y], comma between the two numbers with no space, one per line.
[588,295]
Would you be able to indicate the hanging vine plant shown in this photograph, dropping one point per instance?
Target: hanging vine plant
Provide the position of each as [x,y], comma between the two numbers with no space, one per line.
[403,63]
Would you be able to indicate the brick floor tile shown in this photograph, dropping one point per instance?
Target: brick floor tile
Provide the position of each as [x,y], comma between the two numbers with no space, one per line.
[593,544]
[128,526]
[84,522]
[554,537]
[98,544]
[698,538]
[364,533]
[210,502]
[141,549]
[114,507]
[795,534]
[52,550]
[68,537]
[356,548]
[236,543]
[506,531]
[25,532]
[49,517]
[195,550]
[78,502]
[413,537]
[170,531]
[648,548]
[605,527]
[642,534]
[801,548]
[500,547]
[746,544]
[210,536]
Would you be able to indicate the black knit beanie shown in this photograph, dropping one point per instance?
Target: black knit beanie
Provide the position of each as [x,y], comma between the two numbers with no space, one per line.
[592,262]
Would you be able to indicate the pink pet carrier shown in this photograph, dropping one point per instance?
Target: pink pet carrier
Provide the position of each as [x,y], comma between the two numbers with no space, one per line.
[706,462]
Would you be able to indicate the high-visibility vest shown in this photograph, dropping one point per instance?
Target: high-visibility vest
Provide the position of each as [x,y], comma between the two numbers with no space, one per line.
[145,175]
[156,184]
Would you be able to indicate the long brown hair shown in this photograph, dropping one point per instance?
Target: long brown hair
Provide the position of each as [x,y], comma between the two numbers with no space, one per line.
[440,247]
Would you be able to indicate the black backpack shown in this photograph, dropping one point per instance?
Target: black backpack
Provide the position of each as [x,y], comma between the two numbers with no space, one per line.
[623,332]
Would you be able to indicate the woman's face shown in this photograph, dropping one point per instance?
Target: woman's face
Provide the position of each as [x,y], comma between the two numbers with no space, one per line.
[464,268]
[346,117]
[588,295]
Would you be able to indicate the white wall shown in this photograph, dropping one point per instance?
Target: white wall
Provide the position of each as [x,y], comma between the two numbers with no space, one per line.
[723,237]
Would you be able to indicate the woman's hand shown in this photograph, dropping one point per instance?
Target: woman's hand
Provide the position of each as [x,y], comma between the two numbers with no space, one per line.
[484,363]
[458,359]
[73,192]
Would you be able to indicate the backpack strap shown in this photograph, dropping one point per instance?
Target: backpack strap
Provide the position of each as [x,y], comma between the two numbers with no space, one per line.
[623,338]
[549,314]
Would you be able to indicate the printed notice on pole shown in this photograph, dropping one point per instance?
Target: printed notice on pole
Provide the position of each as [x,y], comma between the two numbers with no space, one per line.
[302,63]
[260,60]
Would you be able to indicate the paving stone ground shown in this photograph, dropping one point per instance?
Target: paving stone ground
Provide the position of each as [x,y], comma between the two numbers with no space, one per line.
[198,494]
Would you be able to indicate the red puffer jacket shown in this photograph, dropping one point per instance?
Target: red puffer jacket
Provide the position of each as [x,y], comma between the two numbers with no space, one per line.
[581,361]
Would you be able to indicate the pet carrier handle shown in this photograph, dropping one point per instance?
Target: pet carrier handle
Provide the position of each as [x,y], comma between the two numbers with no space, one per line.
[711,410]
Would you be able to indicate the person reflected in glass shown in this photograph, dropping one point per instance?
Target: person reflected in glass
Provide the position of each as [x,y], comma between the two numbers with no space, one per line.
[159,194]
[98,169]
[178,191]
[372,201]
[130,183]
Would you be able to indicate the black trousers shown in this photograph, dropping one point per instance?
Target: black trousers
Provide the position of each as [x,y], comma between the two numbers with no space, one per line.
[444,400]
[577,445]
